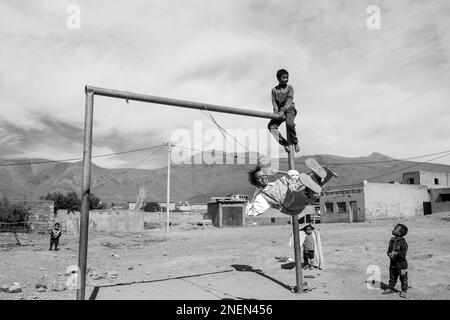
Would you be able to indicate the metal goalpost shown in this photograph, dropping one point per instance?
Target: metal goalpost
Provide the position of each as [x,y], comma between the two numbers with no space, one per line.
[90,91]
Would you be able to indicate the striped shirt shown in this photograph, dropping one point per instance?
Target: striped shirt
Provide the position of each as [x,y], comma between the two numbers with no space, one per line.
[309,242]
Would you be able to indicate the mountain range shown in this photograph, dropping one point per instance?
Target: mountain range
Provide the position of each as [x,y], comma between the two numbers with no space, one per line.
[27,179]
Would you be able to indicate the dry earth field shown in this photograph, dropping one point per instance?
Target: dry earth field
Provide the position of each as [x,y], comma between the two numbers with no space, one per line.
[203,262]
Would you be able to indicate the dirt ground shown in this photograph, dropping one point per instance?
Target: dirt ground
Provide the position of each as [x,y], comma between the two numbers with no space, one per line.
[204,262]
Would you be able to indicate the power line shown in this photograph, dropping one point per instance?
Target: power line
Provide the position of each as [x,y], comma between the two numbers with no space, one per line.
[392,160]
[132,167]
[210,151]
[74,159]
[328,164]
[391,172]
[222,130]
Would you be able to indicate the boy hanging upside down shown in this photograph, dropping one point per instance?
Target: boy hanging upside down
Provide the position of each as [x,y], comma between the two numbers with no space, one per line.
[291,193]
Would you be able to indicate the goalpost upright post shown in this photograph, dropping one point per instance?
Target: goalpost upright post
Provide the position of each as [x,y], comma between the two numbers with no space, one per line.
[168,190]
[90,91]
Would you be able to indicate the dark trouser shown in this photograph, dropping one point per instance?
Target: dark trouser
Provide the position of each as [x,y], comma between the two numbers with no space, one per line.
[290,125]
[307,255]
[54,242]
[394,274]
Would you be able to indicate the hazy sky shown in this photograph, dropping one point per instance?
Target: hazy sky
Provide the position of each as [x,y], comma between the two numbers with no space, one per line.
[357,90]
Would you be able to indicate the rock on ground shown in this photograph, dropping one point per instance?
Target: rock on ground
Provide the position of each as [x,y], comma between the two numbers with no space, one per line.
[58,286]
[42,283]
[4,287]
[15,288]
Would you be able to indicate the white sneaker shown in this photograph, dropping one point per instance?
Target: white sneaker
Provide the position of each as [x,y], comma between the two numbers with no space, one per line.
[308,182]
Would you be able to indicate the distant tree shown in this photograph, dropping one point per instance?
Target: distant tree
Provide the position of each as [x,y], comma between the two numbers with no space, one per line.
[71,201]
[14,216]
[59,200]
[95,203]
[17,212]
[151,207]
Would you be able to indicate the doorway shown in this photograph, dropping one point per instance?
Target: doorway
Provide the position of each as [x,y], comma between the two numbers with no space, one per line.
[354,210]
[426,208]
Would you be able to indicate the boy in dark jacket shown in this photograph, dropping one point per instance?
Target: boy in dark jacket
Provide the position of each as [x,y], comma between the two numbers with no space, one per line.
[398,266]
[54,237]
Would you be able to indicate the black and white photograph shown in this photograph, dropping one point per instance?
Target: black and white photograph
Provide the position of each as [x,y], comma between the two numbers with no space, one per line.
[230,152]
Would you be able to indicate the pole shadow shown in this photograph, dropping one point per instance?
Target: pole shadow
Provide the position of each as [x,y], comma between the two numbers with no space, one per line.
[96,290]
[247,268]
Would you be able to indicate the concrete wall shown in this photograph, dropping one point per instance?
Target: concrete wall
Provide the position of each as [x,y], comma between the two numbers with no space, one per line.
[132,205]
[264,221]
[427,179]
[103,220]
[385,200]
[438,202]
[171,205]
[436,194]
[199,207]
[346,196]
[411,175]
[271,216]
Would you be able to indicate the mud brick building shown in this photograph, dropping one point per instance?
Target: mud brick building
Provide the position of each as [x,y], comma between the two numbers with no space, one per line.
[41,215]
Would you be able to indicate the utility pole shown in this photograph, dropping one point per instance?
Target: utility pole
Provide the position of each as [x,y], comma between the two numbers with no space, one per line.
[168,189]
[295,230]
[85,191]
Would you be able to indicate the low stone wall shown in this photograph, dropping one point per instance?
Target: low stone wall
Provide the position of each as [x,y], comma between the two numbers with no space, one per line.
[41,216]
[103,221]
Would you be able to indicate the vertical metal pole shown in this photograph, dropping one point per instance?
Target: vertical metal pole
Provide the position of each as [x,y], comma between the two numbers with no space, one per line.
[168,189]
[295,230]
[85,191]
[350,211]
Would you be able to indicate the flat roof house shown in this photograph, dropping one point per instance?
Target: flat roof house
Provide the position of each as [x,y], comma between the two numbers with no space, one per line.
[371,201]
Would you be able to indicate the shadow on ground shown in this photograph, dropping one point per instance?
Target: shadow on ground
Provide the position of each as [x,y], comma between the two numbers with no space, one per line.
[247,268]
[381,285]
[96,290]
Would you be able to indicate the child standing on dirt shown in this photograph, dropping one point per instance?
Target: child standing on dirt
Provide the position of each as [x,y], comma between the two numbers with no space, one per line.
[398,265]
[283,104]
[54,237]
[308,248]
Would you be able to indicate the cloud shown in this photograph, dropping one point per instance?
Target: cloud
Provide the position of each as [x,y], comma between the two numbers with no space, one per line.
[64,140]
[357,90]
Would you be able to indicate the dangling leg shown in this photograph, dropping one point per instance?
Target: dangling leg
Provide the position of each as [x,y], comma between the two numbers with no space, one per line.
[273,128]
[290,125]
[310,183]
[322,174]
